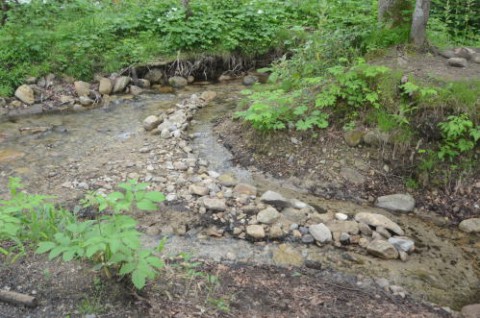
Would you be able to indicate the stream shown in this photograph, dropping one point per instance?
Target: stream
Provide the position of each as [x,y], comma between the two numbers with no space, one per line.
[66,154]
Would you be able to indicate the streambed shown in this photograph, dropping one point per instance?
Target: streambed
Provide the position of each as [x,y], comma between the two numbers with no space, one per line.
[68,154]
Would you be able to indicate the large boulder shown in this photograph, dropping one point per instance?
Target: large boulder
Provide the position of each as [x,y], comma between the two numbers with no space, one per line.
[378,220]
[396,202]
[471,311]
[25,94]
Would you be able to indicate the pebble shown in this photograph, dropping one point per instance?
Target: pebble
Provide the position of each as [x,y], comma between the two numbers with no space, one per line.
[341,216]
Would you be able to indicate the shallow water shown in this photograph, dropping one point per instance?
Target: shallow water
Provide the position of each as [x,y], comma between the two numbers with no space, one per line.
[98,143]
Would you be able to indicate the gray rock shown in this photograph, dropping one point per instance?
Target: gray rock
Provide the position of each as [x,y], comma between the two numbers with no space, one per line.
[106,86]
[402,243]
[120,84]
[470,225]
[345,238]
[208,96]
[365,229]
[268,216]
[350,227]
[352,176]
[151,122]
[297,204]
[25,94]
[215,204]
[249,80]
[295,215]
[275,231]
[471,311]
[198,190]
[353,137]
[376,137]
[85,101]
[382,249]
[476,58]
[464,52]
[155,76]
[321,233]
[275,199]
[178,118]
[396,202]
[457,62]
[142,83]
[375,220]
[135,90]
[256,231]
[308,239]
[246,189]
[82,88]
[447,54]
[383,232]
[177,82]
[227,179]
[341,216]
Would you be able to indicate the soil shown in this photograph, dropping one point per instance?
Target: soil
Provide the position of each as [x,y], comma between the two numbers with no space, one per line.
[315,161]
[70,290]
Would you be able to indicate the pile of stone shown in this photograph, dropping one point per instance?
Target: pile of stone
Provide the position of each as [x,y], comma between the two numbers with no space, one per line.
[460,57]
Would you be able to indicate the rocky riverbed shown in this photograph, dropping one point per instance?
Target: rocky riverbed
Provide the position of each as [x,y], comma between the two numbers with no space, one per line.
[216,210]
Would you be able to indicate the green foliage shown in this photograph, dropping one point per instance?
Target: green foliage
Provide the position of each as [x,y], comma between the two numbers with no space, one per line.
[459,134]
[80,38]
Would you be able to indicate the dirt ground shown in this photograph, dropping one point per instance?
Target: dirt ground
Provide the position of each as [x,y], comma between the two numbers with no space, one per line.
[209,290]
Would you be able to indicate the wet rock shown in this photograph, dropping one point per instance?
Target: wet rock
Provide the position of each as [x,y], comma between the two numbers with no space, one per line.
[374,219]
[295,215]
[382,249]
[177,82]
[321,233]
[214,204]
[227,180]
[249,80]
[246,189]
[85,101]
[25,94]
[142,83]
[154,75]
[106,86]
[268,216]
[120,84]
[275,199]
[151,122]
[208,96]
[352,176]
[353,137]
[256,231]
[402,243]
[457,62]
[178,118]
[82,88]
[470,225]
[471,311]
[287,255]
[198,190]
[396,202]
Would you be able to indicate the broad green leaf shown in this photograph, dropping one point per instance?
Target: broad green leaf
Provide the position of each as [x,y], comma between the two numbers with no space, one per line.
[147,205]
[155,196]
[139,279]
[44,247]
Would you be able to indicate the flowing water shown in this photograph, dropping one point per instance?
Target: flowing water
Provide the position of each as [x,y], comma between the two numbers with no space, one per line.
[61,154]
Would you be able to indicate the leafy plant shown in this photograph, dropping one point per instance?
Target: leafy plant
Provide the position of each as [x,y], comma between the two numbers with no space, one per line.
[459,135]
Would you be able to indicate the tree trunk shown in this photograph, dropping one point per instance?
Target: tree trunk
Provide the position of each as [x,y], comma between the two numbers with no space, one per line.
[418,32]
[391,12]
